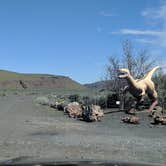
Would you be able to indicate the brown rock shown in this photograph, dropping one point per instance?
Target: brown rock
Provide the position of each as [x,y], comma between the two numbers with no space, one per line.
[92,113]
[58,105]
[74,110]
[131,119]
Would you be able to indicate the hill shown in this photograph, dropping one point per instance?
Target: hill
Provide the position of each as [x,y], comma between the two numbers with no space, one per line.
[100,85]
[13,80]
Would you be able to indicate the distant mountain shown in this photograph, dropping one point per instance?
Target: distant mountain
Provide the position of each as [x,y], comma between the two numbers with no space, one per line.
[100,85]
[13,80]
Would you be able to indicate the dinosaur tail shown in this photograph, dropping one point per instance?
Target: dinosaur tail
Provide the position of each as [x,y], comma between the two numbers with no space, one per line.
[150,73]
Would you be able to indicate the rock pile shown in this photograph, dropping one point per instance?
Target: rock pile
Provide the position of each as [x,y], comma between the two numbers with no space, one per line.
[157,112]
[158,117]
[92,113]
[74,110]
[88,113]
[131,120]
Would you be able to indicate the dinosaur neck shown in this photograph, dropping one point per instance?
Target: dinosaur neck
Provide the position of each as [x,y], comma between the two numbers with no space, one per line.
[131,81]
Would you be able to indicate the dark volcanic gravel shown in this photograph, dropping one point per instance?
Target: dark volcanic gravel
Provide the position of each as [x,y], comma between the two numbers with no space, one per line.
[30,130]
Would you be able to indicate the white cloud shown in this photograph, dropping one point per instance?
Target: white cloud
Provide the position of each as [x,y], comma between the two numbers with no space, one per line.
[151,13]
[155,13]
[137,32]
[158,17]
[145,40]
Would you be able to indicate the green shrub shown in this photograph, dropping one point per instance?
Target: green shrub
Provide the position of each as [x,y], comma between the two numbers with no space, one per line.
[74,98]
[43,100]
[86,100]
[102,102]
[111,100]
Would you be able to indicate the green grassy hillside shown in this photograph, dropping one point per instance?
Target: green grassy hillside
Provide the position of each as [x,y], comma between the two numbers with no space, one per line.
[13,80]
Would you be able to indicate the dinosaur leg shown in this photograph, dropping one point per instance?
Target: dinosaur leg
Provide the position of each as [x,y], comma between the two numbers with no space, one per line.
[135,105]
[154,103]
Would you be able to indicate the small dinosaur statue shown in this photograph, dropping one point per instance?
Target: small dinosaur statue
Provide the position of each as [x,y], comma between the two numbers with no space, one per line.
[140,87]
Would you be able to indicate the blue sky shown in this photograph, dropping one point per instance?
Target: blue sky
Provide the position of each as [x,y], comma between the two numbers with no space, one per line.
[76,37]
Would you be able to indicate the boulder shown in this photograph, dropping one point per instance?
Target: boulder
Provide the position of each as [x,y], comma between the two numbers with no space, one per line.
[157,112]
[74,110]
[92,113]
[131,119]
[58,105]
[160,120]
[57,102]
[158,117]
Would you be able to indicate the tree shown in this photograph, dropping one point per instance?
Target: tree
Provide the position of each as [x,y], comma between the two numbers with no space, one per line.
[112,73]
[138,64]
[160,82]
[129,59]
[144,63]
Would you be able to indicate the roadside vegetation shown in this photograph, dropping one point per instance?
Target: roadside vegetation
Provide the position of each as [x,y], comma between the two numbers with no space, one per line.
[138,63]
[105,93]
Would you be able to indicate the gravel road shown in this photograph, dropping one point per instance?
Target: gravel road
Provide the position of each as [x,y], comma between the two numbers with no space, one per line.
[33,131]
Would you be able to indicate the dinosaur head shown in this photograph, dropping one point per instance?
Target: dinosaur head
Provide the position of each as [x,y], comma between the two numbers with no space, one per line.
[123,73]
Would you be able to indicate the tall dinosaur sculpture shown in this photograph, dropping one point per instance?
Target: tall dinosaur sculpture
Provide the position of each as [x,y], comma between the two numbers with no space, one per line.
[141,87]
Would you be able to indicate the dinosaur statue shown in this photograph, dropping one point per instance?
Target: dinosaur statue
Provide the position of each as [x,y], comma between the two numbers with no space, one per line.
[140,87]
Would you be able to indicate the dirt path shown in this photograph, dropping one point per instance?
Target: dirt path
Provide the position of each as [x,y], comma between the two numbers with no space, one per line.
[27,129]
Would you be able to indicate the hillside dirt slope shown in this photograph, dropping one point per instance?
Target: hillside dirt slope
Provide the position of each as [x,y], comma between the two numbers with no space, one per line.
[13,80]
